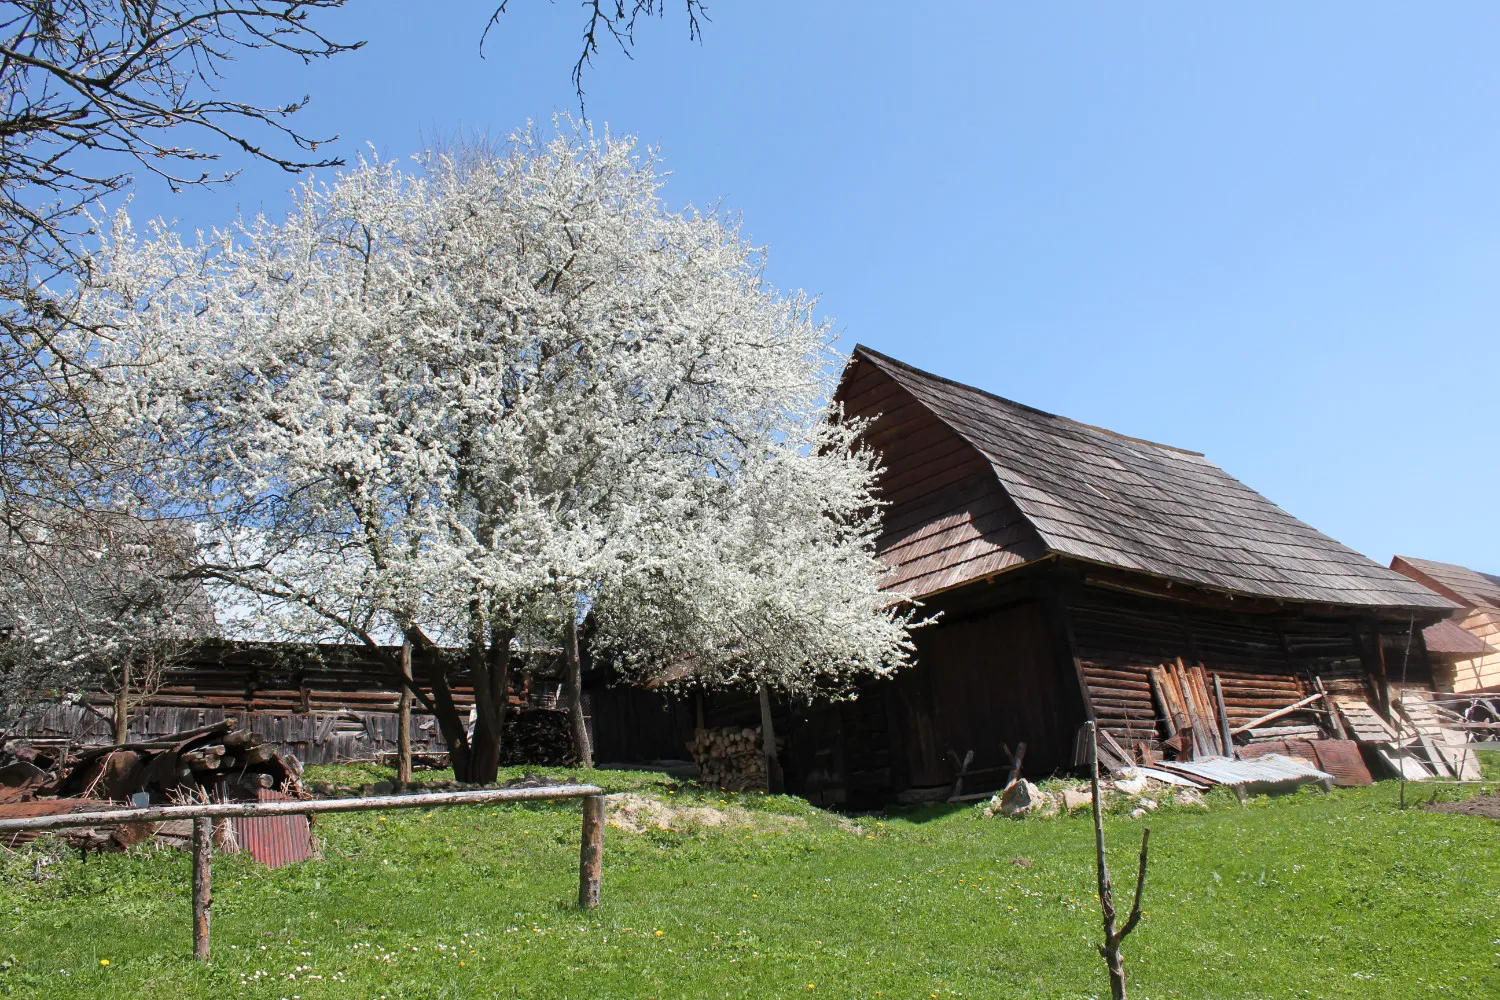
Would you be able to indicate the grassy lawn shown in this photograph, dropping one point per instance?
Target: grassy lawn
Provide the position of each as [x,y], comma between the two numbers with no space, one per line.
[1309,895]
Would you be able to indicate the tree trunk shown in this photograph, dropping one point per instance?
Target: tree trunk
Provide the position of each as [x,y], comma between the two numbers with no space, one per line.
[450,723]
[403,719]
[122,704]
[1110,949]
[485,741]
[573,691]
[775,781]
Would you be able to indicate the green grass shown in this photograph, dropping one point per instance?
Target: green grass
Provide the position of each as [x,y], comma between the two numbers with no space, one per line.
[1310,895]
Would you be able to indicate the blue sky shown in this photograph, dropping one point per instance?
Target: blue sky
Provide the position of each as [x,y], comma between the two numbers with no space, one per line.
[1269,233]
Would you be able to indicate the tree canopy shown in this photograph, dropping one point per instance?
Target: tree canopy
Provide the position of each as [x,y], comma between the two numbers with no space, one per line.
[459,400]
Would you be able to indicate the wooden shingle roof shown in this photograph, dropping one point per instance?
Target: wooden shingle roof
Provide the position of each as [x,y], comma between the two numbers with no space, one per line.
[1448,638]
[1098,496]
[1470,588]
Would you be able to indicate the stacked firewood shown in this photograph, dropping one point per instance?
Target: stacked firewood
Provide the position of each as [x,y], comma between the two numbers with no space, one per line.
[730,757]
[214,761]
[537,736]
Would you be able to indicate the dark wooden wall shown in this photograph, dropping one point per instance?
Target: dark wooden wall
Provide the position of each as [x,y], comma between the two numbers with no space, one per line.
[979,682]
[1265,661]
[632,726]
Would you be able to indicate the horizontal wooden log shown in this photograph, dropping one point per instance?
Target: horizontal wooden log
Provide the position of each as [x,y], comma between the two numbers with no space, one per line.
[1131,676]
[1129,694]
[224,810]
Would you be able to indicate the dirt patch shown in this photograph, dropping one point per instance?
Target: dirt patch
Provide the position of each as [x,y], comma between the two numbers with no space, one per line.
[1480,805]
[635,813]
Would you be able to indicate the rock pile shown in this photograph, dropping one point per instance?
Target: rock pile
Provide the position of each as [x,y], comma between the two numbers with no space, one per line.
[1140,794]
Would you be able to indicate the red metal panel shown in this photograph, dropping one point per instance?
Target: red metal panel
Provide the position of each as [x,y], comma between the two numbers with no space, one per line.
[1342,759]
[274,840]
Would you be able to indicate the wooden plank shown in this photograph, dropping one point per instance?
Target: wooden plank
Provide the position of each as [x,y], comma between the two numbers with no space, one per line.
[1277,714]
[1224,737]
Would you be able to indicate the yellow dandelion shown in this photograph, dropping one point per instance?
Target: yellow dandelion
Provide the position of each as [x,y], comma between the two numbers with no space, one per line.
[660,933]
[103,961]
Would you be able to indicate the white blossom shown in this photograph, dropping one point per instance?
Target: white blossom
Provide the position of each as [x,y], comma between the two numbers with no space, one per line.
[461,396]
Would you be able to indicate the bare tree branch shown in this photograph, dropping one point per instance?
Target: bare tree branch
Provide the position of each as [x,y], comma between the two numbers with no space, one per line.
[614,20]
[89,91]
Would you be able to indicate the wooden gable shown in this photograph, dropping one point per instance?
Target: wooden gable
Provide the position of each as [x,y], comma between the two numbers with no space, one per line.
[947,520]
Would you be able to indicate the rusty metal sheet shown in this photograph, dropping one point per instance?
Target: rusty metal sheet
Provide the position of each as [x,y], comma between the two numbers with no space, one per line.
[1342,759]
[274,840]
[45,807]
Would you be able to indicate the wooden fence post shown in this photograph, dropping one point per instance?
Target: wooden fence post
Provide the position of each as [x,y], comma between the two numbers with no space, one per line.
[591,852]
[203,845]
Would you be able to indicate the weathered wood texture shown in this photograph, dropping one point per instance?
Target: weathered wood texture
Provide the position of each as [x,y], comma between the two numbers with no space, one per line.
[298,807]
[1479,593]
[1088,493]
[591,852]
[633,725]
[980,682]
[1263,662]
[948,521]
[313,738]
[203,846]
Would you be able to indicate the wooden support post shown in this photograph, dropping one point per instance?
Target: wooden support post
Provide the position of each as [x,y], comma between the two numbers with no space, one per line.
[1334,721]
[203,846]
[1016,764]
[1224,735]
[403,719]
[591,852]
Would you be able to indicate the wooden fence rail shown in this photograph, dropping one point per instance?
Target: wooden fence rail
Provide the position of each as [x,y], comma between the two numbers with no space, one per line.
[591,843]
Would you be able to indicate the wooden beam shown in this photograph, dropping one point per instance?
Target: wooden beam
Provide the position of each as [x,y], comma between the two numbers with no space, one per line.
[218,810]
[1288,710]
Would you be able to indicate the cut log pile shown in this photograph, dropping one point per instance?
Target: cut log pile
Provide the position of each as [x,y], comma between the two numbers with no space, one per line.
[537,736]
[731,758]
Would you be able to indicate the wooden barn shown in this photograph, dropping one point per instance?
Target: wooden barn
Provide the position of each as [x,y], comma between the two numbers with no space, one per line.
[1067,562]
[1463,647]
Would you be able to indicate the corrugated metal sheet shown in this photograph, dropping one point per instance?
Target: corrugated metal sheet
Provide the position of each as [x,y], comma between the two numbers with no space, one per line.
[1340,758]
[1271,773]
[274,840]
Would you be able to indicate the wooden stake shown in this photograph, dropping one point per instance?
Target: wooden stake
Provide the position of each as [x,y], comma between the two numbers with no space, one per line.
[1110,949]
[1224,735]
[403,719]
[1016,764]
[203,846]
[591,852]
